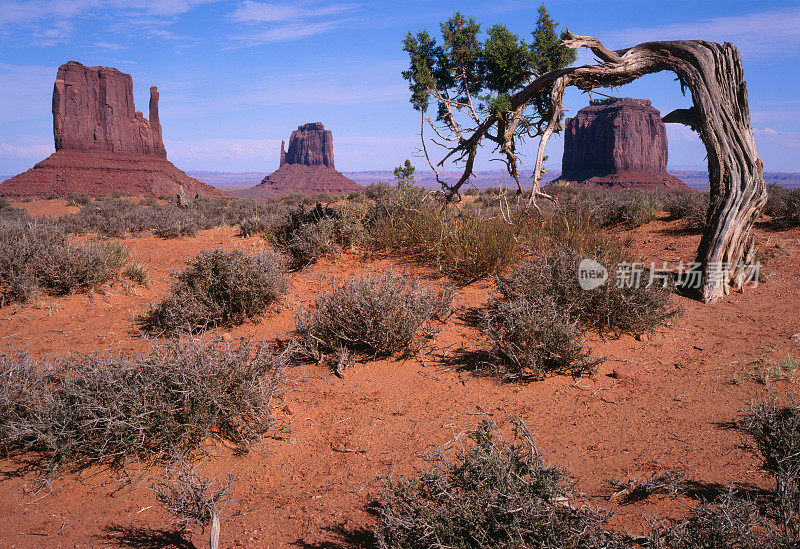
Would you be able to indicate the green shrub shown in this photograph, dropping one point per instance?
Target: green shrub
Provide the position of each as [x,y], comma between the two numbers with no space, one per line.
[88,409]
[376,314]
[220,288]
[490,494]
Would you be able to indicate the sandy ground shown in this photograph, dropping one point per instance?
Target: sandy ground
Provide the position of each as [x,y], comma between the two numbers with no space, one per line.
[669,408]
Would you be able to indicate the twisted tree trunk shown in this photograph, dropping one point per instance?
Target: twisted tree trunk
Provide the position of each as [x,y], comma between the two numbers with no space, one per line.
[720,114]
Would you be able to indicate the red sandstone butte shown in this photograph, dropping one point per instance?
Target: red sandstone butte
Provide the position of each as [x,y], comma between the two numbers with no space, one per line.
[617,142]
[306,167]
[103,144]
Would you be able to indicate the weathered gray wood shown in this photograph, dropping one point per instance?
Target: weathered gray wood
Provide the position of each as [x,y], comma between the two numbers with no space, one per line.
[720,113]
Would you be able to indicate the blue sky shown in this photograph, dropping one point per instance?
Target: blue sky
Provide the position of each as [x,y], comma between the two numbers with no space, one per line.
[237,77]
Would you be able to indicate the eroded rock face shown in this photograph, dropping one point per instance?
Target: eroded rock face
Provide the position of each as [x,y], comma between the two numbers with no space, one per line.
[306,167]
[103,145]
[310,145]
[93,110]
[617,142]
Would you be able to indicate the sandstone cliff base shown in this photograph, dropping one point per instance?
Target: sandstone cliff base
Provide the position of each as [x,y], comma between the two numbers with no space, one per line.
[304,179]
[103,173]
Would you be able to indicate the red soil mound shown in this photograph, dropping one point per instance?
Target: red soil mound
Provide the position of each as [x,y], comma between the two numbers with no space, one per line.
[301,178]
[102,173]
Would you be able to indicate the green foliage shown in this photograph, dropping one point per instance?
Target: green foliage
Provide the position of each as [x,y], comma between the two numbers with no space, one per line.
[466,64]
[405,173]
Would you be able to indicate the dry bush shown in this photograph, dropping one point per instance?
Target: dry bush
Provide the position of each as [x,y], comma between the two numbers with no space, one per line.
[193,498]
[729,522]
[490,494]
[606,309]
[464,243]
[90,409]
[220,288]
[306,235]
[376,314]
[532,337]
[36,257]
[775,431]
[78,199]
[689,205]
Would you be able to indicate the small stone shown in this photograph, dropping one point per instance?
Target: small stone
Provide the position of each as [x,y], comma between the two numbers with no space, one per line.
[624,374]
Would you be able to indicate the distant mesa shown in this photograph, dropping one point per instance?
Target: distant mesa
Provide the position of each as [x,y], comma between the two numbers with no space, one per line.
[103,145]
[306,167]
[617,142]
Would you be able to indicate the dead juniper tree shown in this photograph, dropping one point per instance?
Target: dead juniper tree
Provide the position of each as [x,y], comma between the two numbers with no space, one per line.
[525,88]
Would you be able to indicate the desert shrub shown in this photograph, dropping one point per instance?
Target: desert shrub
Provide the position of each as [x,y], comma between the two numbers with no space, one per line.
[730,521]
[630,208]
[220,288]
[306,235]
[777,196]
[464,243]
[489,494]
[689,205]
[78,199]
[193,498]
[255,225]
[376,314]
[172,221]
[610,308]
[89,409]
[531,337]
[793,207]
[775,431]
[37,257]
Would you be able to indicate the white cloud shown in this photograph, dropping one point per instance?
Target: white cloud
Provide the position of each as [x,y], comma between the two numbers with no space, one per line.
[52,22]
[755,34]
[271,12]
[289,21]
[34,151]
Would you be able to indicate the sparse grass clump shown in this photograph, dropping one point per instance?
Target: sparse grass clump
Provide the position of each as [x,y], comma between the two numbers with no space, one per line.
[38,257]
[220,288]
[463,243]
[89,409]
[376,314]
[489,494]
[136,273]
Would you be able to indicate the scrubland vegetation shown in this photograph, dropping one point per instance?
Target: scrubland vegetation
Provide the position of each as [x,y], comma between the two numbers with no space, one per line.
[69,413]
